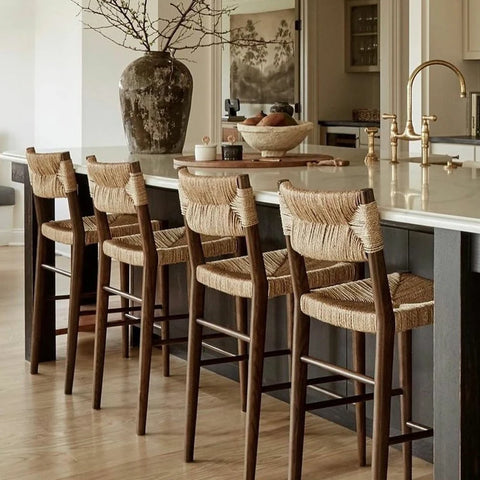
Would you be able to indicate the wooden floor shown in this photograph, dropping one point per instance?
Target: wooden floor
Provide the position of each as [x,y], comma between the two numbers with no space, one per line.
[45,435]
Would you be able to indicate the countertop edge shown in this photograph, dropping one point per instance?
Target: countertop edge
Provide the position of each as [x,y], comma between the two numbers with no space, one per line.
[412,217]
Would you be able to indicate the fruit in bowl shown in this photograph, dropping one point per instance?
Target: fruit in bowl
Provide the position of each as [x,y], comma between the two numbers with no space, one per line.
[277,139]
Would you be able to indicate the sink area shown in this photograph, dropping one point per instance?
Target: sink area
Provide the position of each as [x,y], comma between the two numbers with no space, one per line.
[433,160]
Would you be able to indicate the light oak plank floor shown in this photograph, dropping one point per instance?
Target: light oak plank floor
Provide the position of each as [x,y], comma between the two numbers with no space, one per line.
[45,435]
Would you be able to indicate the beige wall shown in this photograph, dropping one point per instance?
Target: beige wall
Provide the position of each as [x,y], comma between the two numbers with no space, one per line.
[60,85]
[339,92]
[16,92]
[445,42]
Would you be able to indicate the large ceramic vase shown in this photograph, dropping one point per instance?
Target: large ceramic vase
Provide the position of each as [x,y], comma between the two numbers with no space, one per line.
[155,97]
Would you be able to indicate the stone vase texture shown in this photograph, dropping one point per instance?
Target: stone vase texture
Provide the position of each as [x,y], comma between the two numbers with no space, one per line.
[155,98]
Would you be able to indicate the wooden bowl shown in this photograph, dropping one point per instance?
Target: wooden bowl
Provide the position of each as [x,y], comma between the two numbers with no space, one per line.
[274,141]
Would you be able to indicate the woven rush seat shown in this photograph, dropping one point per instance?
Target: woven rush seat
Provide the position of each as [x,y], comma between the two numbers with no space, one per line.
[62,231]
[232,276]
[171,246]
[350,305]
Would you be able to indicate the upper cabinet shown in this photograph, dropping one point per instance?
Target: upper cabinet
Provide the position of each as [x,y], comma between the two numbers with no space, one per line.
[362,35]
[471,32]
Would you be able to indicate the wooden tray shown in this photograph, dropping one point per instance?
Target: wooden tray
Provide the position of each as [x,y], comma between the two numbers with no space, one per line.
[254,160]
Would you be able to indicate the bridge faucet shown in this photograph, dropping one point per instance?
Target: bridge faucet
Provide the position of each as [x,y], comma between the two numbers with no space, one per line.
[409,133]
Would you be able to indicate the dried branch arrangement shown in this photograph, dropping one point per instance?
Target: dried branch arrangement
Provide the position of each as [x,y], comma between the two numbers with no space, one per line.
[187,25]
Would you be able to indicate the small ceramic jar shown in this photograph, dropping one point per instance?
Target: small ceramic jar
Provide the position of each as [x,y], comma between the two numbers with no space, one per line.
[205,152]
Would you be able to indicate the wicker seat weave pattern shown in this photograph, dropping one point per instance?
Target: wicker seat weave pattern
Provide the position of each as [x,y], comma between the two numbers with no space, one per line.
[171,245]
[61,230]
[222,209]
[232,276]
[115,188]
[330,225]
[51,174]
[350,305]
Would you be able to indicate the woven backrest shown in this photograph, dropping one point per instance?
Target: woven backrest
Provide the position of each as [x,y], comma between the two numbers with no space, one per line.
[51,174]
[216,205]
[334,226]
[116,187]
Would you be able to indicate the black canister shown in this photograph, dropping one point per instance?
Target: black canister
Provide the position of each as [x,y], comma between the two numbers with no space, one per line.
[232,152]
[282,107]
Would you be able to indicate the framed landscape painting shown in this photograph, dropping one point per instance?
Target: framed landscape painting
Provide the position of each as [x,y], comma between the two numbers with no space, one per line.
[263,74]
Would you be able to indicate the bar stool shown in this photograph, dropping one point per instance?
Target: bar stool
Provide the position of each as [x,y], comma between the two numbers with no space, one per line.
[120,188]
[52,176]
[226,206]
[345,226]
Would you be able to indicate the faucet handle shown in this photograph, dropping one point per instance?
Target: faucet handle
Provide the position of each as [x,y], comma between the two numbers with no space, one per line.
[393,134]
[389,116]
[429,118]
[371,155]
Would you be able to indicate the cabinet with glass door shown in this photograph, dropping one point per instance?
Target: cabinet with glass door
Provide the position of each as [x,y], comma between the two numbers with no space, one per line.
[362,36]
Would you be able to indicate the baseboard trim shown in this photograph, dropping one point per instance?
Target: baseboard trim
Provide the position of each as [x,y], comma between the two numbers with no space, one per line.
[11,237]
[17,237]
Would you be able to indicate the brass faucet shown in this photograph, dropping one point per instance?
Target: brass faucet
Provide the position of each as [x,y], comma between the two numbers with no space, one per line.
[409,133]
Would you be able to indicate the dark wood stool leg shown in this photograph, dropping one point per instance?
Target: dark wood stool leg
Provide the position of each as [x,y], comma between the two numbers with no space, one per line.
[359,367]
[242,326]
[146,339]
[290,313]
[197,303]
[77,250]
[241,318]
[164,301]
[38,302]
[301,337]
[405,357]
[255,377]
[382,401]
[124,303]
[104,272]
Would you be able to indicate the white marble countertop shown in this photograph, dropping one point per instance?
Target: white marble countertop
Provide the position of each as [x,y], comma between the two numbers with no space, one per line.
[405,193]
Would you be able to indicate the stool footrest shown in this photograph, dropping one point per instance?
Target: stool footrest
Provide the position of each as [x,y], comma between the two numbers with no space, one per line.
[177,316]
[61,271]
[225,330]
[408,437]
[277,353]
[116,291]
[417,426]
[117,323]
[169,341]
[214,348]
[216,361]
[338,400]
[311,382]
[111,310]
[340,370]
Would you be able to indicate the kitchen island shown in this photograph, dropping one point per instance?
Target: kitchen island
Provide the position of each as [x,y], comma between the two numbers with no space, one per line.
[431,221]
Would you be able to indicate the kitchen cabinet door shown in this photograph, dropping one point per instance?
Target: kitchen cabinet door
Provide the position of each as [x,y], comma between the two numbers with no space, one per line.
[471,32]
[464,152]
[362,36]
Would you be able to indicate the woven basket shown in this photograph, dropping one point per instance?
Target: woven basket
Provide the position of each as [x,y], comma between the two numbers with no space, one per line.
[366,115]
[274,141]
